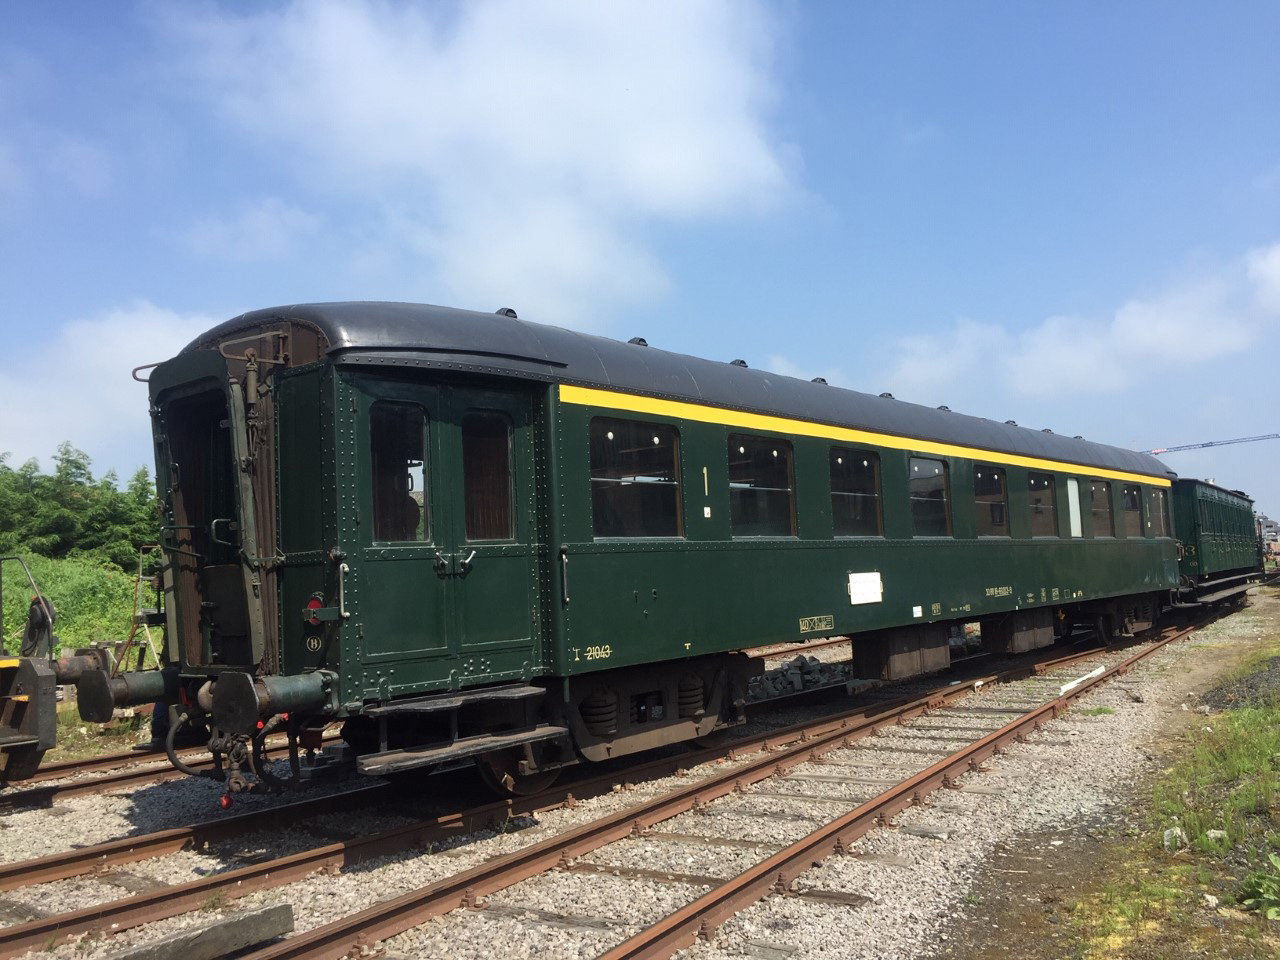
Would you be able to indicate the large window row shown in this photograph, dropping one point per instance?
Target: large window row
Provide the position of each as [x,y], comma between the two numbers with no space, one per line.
[635,491]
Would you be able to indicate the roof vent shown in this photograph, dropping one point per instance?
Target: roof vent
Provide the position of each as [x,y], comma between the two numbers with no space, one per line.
[639,341]
[1046,430]
[737,363]
[819,380]
[1077,437]
[1011,423]
[506,312]
[887,396]
[945,407]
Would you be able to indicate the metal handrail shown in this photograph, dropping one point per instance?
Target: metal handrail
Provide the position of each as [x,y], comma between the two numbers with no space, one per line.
[44,604]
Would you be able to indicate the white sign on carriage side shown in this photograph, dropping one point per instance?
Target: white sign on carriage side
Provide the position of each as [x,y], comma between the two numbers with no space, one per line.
[865,588]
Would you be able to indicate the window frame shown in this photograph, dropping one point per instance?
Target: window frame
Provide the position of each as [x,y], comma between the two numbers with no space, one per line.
[1051,484]
[425,518]
[1111,509]
[873,459]
[912,460]
[1137,510]
[737,440]
[978,504]
[1158,506]
[677,483]
[505,418]
[1075,516]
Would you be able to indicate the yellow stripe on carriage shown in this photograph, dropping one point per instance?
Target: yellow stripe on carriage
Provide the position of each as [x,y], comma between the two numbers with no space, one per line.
[701,413]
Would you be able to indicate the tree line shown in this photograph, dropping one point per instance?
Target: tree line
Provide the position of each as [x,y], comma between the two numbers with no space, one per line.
[68,514]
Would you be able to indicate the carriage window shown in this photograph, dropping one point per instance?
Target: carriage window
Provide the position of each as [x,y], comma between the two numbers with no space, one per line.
[760,489]
[1073,507]
[1131,511]
[1044,507]
[486,476]
[930,502]
[398,434]
[990,501]
[855,493]
[635,479]
[1158,514]
[1100,507]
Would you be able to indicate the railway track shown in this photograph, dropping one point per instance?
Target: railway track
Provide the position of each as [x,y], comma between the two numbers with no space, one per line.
[773,753]
[133,774]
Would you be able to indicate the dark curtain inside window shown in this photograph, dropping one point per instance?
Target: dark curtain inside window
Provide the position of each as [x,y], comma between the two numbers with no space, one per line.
[486,469]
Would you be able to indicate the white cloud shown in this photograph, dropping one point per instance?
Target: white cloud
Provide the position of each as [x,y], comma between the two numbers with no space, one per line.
[76,385]
[1263,265]
[266,230]
[1197,320]
[520,147]
[777,363]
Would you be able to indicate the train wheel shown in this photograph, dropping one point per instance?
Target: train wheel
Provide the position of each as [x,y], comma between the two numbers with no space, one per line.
[500,772]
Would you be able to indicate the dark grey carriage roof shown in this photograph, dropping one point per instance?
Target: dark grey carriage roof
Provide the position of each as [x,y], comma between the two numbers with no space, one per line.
[417,335]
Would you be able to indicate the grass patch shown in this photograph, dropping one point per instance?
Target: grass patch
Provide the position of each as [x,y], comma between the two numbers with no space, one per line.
[1096,711]
[78,740]
[1227,781]
[94,601]
[1219,895]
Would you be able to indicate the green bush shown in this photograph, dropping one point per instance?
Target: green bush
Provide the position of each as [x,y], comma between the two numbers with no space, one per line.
[94,600]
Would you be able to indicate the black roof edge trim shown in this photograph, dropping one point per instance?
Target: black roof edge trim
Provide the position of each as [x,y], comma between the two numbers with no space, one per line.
[349,352]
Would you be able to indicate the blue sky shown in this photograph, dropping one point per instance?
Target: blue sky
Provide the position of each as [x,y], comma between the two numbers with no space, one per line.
[1067,215]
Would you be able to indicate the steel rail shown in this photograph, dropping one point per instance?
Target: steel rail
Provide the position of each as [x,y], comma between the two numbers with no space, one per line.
[126,758]
[391,917]
[161,904]
[63,865]
[46,795]
[777,651]
[43,796]
[795,744]
[107,761]
[113,853]
[776,873]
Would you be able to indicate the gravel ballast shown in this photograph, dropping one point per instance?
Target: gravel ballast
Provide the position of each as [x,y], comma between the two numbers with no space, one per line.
[911,882]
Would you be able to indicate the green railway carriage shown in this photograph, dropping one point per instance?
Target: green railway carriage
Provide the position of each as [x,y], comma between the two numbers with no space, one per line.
[1218,533]
[467,536]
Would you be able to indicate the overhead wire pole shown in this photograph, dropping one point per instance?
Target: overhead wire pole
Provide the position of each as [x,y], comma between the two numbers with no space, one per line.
[1211,443]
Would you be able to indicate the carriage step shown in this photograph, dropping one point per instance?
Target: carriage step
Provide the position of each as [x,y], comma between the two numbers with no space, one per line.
[1223,594]
[17,741]
[394,761]
[452,701]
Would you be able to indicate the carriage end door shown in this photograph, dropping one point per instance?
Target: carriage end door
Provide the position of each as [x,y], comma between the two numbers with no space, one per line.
[489,504]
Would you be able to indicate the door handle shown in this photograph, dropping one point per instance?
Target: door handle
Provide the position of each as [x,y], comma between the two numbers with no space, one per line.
[213,530]
[441,565]
[342,591]
[564,574]
[465,565]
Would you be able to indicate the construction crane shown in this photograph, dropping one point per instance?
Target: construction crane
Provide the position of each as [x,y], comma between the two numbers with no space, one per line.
[1211,443]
